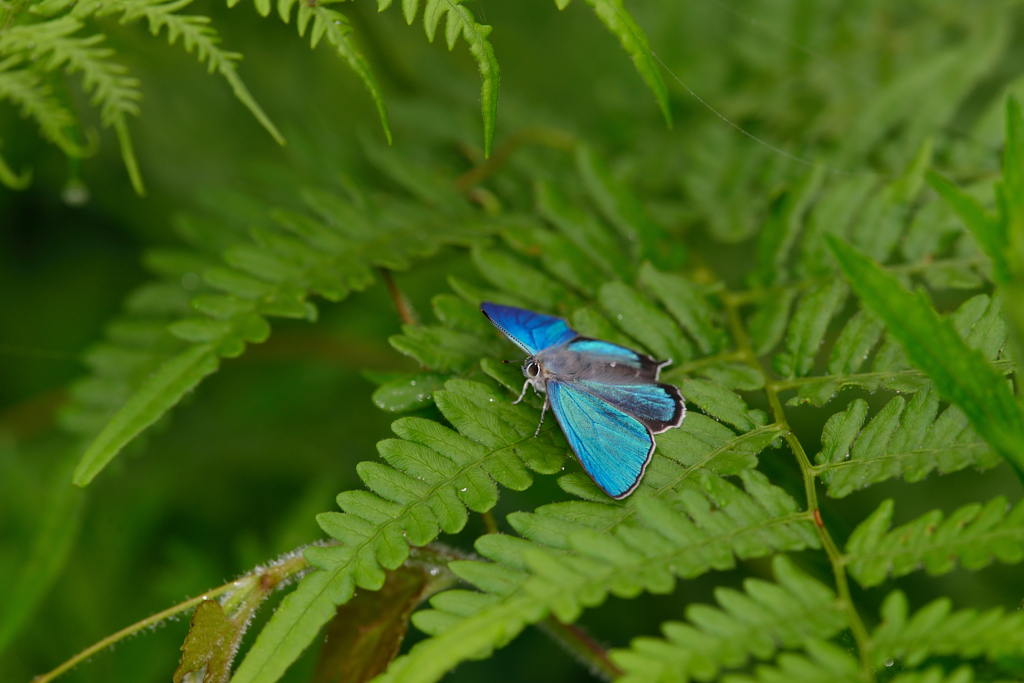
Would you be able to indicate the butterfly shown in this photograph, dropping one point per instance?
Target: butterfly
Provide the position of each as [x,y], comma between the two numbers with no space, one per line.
[606,397]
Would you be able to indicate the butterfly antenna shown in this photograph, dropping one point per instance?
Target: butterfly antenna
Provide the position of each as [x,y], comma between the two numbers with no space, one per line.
[514,360]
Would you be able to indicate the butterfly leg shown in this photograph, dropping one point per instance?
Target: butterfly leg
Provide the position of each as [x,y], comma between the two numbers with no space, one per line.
[522,394]
[547,399]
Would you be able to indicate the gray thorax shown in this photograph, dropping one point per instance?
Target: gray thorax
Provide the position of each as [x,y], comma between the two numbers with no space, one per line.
[563,363]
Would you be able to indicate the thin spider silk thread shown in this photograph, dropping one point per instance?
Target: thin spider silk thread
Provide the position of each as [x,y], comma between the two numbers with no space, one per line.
[835,66]
[723,117]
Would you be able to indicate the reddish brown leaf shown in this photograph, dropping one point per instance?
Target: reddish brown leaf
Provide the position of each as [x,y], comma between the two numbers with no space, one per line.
[367,632]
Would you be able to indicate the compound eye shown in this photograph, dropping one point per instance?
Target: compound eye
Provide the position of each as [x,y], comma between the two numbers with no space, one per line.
[532,370]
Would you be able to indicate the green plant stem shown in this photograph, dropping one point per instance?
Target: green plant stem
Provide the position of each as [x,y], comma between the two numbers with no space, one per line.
[538,135]
[583,647]
[266,580]
[700,363]
[489,523]
[572,637]
[486,199]
[628,511]
[245,594]
[772,389]
[34,415]
[436,556]
[781,385]
[405,311]
[8,17]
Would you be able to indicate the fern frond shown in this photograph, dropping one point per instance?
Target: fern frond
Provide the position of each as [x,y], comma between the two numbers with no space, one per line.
[334,25]
[884,218]
[978,321]
[690,307]
[753,623]
[12,180]
[973,534]
[196,34]
[908,440]
[558,255]
[580,255]
[624,210]
[783,227]
[792,242]
[721,177]
[24,87]
[988,230]
[460,21]
[435,474]
[827,662]
[936,674]
[793,261]
[440,348]
[420,183]
[934,630]
[960,373]
[52,42]
[429,456]
[923,99]
[807,328]
[824,662]
[114,92]
[703,526]
[135,344]
[584,231]
[270,275]
[622,25]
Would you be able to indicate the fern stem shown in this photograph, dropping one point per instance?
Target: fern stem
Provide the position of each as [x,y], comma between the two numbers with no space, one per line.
[11,14]
[835,557]
[1006,366]
[581,645]
[534,135]
[486,199]
[36,414]
[684,369]
[266,578]
[570,636]
[490,525]
[405,311]
[772,388]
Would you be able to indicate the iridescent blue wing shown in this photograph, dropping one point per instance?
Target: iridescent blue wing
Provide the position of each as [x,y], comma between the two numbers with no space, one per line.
[614,356]
[613,447]
[532,332]
[659,407]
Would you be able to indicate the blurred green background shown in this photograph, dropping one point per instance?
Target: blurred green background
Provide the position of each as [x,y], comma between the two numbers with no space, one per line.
[235,477]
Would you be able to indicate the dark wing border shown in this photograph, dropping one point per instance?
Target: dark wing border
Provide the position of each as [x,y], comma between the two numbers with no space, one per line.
[657,426]
[654,426]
